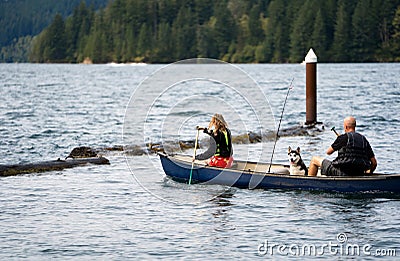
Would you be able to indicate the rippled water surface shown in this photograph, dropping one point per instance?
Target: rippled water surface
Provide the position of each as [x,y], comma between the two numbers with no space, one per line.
[102,212]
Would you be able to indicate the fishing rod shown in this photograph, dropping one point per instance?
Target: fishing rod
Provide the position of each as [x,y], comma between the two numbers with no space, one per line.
[279,126]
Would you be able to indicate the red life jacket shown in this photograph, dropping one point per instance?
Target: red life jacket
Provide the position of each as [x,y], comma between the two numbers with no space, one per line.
[220,162]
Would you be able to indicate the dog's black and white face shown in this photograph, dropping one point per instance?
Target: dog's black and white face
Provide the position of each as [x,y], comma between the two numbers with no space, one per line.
[294,155]
[297,166]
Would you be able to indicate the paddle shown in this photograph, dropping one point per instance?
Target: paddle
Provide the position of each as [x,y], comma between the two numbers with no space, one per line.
[194,153]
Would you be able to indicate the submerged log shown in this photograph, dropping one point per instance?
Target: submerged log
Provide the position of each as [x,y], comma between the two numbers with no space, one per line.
[11,170]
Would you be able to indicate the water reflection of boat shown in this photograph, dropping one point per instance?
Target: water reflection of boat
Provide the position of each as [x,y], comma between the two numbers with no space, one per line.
[254,175]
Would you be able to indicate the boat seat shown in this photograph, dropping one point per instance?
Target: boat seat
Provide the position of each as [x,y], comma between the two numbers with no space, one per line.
[283,171]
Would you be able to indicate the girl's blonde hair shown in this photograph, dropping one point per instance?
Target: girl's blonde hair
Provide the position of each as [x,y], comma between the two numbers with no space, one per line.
[218,122]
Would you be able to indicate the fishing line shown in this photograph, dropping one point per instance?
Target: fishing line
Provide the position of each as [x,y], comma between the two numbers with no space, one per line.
[279,126]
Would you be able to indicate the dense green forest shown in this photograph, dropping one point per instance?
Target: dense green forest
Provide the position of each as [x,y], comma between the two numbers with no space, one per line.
[20,20]
[279,31]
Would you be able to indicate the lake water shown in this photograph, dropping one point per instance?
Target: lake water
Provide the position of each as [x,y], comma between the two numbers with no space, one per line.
[130,210]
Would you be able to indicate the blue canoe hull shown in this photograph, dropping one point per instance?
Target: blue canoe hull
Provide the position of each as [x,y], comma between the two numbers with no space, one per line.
[178,168]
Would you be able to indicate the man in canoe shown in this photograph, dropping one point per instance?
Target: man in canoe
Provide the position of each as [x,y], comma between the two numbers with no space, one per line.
[355,155]
[218,130]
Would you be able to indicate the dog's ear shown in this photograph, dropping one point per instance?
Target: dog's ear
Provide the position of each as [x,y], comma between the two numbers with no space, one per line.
[298,150]
[289,149]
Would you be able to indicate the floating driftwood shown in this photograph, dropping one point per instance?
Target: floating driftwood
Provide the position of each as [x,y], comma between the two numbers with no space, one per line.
[16,169]
[246,138]
[79,156]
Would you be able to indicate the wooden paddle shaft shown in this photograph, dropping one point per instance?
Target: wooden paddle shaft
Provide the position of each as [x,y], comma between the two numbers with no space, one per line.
[194,154]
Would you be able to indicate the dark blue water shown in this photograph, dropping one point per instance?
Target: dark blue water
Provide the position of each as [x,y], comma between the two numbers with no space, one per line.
[129,210]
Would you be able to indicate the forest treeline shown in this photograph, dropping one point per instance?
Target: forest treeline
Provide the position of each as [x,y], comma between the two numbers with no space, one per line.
[20,20]
[238,31]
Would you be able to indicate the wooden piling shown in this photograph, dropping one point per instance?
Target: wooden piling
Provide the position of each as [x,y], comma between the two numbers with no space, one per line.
[311,87]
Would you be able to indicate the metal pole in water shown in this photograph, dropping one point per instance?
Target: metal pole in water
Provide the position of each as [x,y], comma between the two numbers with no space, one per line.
[311,87]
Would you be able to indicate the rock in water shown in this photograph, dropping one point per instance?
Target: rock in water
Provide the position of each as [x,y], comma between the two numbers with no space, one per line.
[82,152]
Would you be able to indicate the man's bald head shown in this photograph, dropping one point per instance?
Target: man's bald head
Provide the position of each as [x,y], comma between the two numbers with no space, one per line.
[349,123]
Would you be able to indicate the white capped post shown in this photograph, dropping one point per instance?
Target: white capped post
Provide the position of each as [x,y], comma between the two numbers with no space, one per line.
[311,87]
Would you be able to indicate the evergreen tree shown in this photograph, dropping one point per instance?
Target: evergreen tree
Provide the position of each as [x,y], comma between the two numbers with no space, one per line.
[328,10]
[386,14]
[185,34]
[300,38]
[144,43]
[224,29]
[269,45]
[319,39]
[341,47]
[256,32]
[364,35]
[281,42]
[206,47]
[203,10]
[95,47]
[259,53]
[18,51]
[74,26]
[243,32]
[396,35]
[163,45]
[136,11]
[56,47]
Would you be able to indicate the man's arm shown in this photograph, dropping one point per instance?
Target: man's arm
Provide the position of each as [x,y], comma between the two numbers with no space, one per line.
[330,150]
[339,143]
[374,163]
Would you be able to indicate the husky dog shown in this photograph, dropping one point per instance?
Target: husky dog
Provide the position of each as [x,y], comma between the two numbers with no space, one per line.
[297,166]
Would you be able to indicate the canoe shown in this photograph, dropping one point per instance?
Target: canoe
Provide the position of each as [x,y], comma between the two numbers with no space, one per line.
[256,175]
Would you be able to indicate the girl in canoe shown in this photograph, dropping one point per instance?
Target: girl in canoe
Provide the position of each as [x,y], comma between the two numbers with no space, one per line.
[218,130]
